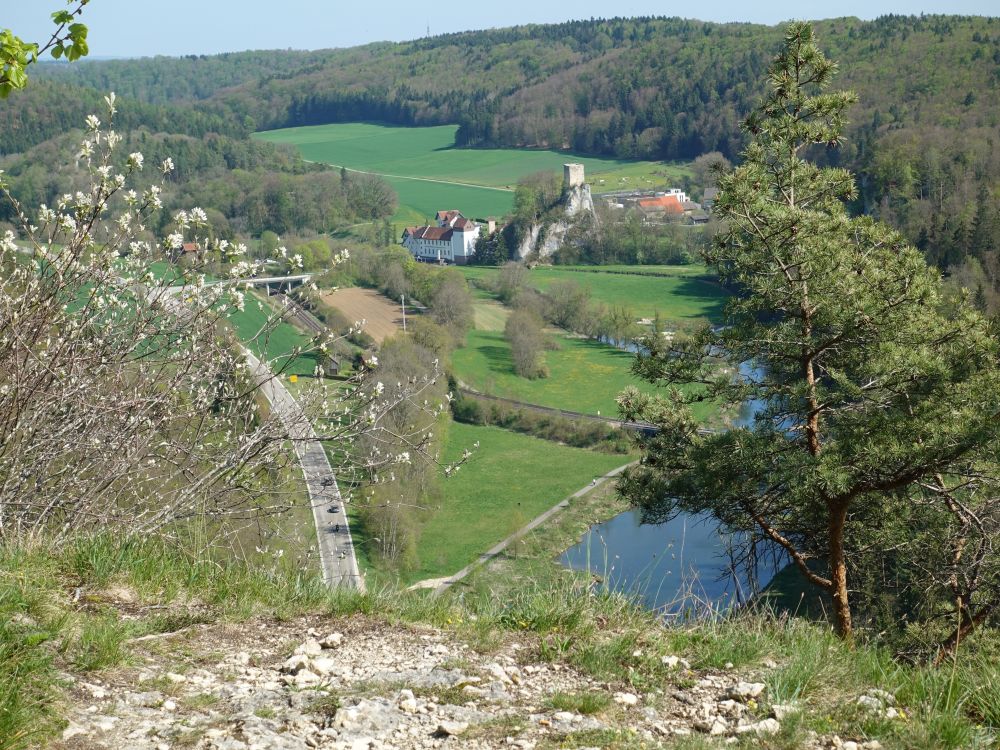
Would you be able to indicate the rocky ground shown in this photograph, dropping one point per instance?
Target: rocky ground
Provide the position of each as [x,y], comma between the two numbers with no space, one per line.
[361,684]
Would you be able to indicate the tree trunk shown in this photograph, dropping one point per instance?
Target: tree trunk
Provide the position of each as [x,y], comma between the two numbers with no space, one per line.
[838,573]
[952,642]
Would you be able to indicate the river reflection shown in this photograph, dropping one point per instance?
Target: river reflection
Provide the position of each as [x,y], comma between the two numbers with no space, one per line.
[672,566]
[675,567]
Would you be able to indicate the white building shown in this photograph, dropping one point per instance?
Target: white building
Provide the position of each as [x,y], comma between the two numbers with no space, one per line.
[453,240]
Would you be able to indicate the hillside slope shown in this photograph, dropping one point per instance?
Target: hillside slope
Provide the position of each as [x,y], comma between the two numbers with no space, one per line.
[922,137]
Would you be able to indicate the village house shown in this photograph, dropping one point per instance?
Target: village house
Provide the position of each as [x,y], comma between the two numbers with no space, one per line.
[662,207]
[452,240]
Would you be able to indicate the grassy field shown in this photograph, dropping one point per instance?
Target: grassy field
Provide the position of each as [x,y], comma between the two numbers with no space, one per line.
[413,159]
[682,294]
[509,480]
[489,315]
[584,375]
[278,343]
[686,271]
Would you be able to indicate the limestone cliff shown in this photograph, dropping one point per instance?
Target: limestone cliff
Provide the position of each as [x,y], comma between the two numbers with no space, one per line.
[543,238]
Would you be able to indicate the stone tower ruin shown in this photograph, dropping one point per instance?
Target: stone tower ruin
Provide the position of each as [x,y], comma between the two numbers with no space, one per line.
[572,176]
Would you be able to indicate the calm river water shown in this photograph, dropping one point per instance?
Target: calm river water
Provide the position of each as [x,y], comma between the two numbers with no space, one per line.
[668,566]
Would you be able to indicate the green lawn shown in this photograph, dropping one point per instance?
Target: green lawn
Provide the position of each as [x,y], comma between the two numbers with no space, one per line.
[682,294]
[584,375]
[429,153]
[692,269]
[275,346]
[509,479]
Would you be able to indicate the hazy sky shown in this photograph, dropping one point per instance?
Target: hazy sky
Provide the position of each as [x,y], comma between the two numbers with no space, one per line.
[176,27]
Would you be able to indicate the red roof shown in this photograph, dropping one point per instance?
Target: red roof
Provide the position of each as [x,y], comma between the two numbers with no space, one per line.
[190,247]
[667,203]
[431,233]
[447,215]
[462,223]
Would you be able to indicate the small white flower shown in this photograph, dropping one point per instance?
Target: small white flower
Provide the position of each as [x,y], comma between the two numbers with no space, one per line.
[167,166]
[135,160]
[175,241]
[7,243]
[92,124]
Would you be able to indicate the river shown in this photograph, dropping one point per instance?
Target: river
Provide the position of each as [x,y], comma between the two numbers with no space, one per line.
[677,567]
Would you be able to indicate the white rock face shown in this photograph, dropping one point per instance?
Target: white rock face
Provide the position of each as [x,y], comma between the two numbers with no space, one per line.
[576,201]
[579,199]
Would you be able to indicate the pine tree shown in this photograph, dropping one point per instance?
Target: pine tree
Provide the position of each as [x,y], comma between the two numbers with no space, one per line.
[871,393]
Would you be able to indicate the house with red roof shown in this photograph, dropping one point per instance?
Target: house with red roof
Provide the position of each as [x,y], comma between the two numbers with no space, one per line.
[668,206]
[452,240]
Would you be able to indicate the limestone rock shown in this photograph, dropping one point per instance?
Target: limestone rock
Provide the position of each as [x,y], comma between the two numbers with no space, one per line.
[451,728]
[626,699]
[744,691]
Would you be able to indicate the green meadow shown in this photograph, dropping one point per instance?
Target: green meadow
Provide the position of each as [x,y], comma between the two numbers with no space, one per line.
[509,479]
[584,375]
[277,344]
[682,294]
[430,173]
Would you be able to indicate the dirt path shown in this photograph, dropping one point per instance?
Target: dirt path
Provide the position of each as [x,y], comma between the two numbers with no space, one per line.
[415,179]
[383,317]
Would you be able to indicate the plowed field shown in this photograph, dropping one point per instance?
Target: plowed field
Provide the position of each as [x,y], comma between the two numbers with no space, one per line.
[383,317]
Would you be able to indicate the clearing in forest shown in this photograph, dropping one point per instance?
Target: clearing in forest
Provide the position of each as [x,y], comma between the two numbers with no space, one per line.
[383,317]
[429,172]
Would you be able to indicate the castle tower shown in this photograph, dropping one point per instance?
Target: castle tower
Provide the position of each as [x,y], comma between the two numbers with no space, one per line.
[572,176]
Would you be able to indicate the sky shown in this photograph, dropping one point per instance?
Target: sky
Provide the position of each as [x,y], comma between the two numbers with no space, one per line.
[134,28]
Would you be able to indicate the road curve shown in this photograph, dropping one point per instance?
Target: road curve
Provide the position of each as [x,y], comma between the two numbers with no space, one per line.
[333,534]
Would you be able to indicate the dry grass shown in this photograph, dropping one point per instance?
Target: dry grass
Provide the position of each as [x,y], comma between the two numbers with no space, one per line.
[383,317]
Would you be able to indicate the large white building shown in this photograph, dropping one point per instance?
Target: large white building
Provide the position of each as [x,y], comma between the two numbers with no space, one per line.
[453,240]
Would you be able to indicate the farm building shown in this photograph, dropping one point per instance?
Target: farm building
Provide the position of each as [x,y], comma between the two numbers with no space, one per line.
[452,240]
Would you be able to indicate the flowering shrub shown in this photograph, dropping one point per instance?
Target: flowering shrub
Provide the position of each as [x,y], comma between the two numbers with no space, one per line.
[124,399]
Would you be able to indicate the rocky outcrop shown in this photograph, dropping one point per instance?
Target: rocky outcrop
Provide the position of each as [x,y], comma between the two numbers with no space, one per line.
[541,240]
[359,684]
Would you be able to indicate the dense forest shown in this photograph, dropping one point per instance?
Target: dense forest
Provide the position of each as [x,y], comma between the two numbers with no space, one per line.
[922,139]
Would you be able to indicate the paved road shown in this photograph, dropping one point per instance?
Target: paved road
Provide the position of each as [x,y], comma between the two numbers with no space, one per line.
[333,534]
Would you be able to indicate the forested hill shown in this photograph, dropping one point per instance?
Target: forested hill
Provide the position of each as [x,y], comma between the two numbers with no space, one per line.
[922,137]
[646,87]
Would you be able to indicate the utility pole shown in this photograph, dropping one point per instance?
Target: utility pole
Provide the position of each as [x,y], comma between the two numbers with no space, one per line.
[402,299]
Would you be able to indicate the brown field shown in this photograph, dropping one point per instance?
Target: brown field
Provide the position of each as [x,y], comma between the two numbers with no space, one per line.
[383,317]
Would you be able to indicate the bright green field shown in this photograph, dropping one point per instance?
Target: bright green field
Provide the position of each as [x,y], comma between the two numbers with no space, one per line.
[276,346]
[429,154]
[686,271]
[584,375]
[510,479]
[684,295]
